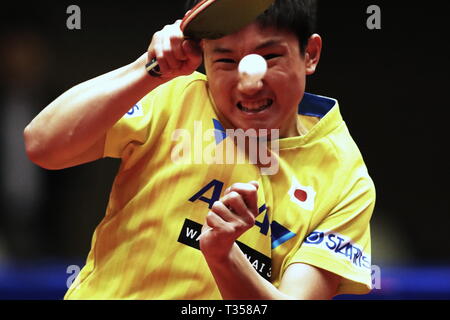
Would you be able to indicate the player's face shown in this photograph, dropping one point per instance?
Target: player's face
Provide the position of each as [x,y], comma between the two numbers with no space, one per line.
[274,104]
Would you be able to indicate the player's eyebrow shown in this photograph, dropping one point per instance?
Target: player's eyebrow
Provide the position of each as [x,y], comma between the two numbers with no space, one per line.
[222,50]
[264,45]
[268,44]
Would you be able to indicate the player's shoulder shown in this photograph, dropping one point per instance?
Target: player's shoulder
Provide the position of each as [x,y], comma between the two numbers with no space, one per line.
[169,93]
[179,84]
[333,129]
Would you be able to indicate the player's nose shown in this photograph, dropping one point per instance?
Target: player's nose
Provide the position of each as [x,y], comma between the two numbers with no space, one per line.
[250,88]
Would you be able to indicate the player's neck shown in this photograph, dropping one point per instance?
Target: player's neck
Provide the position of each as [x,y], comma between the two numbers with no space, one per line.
[294,129]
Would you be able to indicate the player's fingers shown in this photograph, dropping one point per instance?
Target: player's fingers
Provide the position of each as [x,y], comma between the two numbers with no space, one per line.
[249,193]
[215,222]
[227,191]
[192,48]
[177,46]
[176,41]
[222,210]
[236,203]
[178,24]
[193,53]
[237,185]
[169,51]
[159,54]
[255,183]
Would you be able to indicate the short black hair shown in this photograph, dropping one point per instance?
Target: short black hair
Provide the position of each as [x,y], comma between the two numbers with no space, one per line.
[297,16]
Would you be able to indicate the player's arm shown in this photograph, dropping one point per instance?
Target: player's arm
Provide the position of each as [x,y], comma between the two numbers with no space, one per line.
[237,279]
[72,129]
[235,276]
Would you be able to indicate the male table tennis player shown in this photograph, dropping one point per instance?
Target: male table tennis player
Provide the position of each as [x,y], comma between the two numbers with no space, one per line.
[301,232]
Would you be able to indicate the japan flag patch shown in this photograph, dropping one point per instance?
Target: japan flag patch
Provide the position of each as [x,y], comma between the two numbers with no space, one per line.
[302,195]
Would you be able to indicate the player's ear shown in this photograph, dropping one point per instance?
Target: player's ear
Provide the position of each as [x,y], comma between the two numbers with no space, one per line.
[312,53]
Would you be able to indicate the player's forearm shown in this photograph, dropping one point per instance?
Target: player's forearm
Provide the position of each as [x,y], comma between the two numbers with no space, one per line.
[238,280]
[73,122]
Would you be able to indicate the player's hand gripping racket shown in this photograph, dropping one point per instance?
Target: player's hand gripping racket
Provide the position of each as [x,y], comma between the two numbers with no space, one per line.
[214,19]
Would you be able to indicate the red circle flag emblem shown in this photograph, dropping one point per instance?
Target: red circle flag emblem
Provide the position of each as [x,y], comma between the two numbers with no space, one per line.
[301,195]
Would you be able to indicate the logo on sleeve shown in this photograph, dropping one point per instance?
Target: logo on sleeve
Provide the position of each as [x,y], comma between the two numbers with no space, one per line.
[340,246]
[136,111]
[302,195]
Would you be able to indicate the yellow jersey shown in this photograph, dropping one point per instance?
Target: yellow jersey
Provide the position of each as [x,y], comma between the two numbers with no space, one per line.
[315,208]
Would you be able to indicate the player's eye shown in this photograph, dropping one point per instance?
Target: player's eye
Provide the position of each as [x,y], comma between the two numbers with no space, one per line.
[225,60]
[271,56]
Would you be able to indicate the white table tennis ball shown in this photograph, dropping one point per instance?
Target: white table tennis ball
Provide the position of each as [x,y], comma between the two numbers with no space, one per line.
[252,68]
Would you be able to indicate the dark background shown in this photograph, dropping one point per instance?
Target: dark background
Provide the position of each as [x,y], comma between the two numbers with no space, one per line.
[392,86]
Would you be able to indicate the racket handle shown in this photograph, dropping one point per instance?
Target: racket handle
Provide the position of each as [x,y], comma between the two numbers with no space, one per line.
[153,68]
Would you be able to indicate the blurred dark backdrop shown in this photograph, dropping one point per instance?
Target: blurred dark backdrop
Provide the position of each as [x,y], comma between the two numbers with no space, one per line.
[391,84]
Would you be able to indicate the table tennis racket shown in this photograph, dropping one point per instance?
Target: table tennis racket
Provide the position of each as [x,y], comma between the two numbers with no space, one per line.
[214,19]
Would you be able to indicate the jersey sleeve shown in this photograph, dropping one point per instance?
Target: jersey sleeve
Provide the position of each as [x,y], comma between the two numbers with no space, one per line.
[133,128]
[340,243]
[147,117]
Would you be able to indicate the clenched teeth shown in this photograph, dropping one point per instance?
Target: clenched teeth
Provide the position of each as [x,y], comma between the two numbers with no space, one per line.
[257,106]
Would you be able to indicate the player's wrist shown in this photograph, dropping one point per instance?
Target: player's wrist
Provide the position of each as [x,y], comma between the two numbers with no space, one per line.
[218,255]
[139,66]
